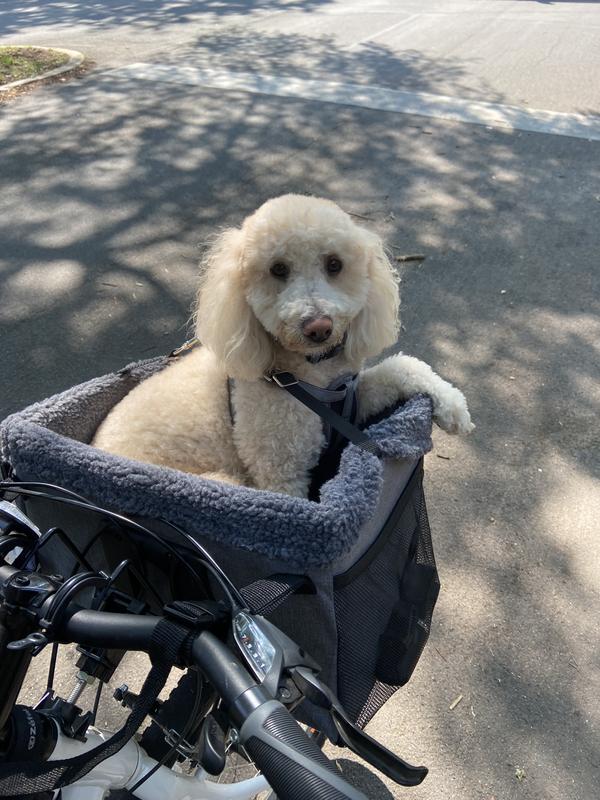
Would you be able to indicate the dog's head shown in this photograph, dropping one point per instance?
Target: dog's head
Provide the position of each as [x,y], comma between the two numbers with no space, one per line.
[301,273]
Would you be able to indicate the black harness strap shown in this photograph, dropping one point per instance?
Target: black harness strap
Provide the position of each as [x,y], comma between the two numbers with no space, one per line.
[320,401]
[266,594]
[230,400]
[311,396]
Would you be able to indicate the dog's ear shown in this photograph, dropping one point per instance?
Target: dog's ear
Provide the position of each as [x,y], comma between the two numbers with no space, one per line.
[377,324]
[224,321]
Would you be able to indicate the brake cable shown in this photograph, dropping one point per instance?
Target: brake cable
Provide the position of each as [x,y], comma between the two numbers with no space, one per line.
[15,486]
[180,738]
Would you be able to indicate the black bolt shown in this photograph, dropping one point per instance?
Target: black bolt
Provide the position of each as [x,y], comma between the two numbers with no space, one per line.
[120,692]
[21,580]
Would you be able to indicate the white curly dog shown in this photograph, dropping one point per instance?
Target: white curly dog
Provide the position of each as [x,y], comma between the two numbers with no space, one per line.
[300,288]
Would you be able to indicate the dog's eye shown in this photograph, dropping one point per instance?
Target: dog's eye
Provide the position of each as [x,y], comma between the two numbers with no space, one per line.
[280,270]
[333,265]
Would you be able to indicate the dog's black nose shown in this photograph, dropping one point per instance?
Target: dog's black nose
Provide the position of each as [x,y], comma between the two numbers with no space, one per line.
[318,329]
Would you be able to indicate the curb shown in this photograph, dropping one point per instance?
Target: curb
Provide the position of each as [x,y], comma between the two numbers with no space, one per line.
[75,60]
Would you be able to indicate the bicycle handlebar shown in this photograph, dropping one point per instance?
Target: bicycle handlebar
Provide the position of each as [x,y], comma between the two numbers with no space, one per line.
[291,762]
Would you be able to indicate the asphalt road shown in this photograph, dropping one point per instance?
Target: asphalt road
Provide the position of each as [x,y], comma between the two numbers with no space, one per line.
[109,185]
[534,54]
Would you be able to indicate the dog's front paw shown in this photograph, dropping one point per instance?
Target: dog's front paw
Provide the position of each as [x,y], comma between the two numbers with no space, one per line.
[450,411]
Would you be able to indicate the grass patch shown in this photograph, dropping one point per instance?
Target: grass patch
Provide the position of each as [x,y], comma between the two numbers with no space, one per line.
[17,63]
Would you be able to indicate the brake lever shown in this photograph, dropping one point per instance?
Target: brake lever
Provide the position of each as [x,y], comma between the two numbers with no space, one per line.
[353,737]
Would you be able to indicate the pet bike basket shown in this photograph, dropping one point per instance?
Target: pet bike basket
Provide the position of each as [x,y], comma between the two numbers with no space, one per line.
[365,544]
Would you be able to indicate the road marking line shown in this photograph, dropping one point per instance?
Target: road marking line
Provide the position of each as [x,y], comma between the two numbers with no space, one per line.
[474,112]
[380,33]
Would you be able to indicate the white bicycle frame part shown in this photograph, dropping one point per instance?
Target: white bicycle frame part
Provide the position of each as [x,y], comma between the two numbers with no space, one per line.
[125,768]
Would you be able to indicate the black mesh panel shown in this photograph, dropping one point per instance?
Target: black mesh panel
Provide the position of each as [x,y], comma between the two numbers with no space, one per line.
[384,613]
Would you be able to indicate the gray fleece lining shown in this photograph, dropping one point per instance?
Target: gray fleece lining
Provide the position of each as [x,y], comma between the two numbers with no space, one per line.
[49,441]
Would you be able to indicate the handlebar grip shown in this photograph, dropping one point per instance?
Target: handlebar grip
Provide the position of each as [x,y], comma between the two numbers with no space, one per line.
[292,763]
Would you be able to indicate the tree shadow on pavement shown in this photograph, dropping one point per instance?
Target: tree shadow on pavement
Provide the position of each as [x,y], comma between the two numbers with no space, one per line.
[121,191]
[107,189]
[319,57]
[367,781]
[146,14]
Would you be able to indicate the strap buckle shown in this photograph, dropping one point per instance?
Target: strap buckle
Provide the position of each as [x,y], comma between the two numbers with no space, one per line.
[282,379]
[183,348]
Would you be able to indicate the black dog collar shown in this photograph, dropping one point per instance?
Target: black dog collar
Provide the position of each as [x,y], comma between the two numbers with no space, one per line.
[334,351]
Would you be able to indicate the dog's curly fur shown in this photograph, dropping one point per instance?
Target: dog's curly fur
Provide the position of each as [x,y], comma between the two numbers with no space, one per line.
[295,260]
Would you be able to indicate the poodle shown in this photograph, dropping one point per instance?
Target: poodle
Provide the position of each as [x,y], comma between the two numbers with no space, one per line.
[299,287]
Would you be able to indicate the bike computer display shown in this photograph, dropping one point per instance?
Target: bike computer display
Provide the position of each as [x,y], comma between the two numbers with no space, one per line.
[254,644]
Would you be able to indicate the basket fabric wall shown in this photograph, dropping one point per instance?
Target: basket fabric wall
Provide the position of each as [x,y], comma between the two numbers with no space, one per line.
[365,545]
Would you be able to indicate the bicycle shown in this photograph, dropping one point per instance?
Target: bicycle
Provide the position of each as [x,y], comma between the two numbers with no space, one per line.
[248,677]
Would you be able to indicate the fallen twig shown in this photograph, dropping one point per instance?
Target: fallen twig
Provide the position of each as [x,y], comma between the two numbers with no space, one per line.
[411,257]
[360,216]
